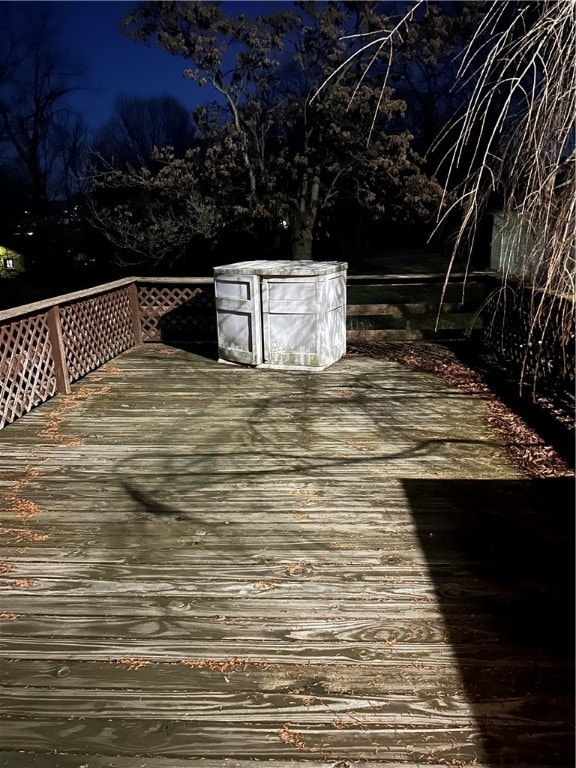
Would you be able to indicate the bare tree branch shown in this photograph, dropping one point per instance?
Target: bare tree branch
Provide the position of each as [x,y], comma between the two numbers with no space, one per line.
[151,215]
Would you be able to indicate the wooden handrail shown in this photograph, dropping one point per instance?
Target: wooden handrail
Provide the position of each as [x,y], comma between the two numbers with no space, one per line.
[66,298]
[424,276]
[175,280]
[86,293]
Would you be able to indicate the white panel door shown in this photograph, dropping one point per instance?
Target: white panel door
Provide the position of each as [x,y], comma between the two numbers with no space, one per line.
[239,318]
[290,321]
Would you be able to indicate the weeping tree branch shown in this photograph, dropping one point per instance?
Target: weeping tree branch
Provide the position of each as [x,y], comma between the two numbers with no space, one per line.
[514,142]
[524,99]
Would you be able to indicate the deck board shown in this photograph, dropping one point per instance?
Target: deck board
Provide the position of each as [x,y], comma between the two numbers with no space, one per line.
[208,564]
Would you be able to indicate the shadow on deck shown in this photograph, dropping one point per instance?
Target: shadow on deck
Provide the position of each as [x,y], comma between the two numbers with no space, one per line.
[206,563]
[512,543]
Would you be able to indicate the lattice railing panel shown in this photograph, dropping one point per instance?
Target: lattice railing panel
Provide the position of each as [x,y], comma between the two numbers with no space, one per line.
[95,330]
[177,313]
[27,376]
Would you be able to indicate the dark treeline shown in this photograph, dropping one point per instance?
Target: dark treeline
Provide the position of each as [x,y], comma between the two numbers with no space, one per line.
[260,163]
[297,151]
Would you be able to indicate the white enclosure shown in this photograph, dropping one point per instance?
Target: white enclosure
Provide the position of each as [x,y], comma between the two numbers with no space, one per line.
[281,314]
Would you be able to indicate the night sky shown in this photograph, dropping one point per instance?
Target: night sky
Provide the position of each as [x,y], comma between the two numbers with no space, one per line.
[116,66]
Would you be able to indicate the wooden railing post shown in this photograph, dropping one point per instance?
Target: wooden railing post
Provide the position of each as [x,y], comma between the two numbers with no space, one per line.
[135,312]
[58,351]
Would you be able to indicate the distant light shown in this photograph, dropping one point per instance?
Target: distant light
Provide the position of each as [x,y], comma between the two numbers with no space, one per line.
[28,233]
[284,224]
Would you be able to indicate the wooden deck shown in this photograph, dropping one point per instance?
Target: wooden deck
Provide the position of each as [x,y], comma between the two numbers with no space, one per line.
[210,565]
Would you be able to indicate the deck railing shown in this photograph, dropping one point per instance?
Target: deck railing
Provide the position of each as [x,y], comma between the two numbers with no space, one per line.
[47,345]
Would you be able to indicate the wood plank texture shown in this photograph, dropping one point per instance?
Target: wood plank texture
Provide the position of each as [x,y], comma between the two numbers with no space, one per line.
[206,564]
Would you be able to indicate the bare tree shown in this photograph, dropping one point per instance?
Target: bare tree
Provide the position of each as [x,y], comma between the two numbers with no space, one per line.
[139,125]
[39,132]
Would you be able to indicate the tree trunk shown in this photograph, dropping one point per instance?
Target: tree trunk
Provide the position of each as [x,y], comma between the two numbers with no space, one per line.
[302,229]
[304,218]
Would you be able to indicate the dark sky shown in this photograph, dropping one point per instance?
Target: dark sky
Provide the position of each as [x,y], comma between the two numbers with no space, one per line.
[115,65]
